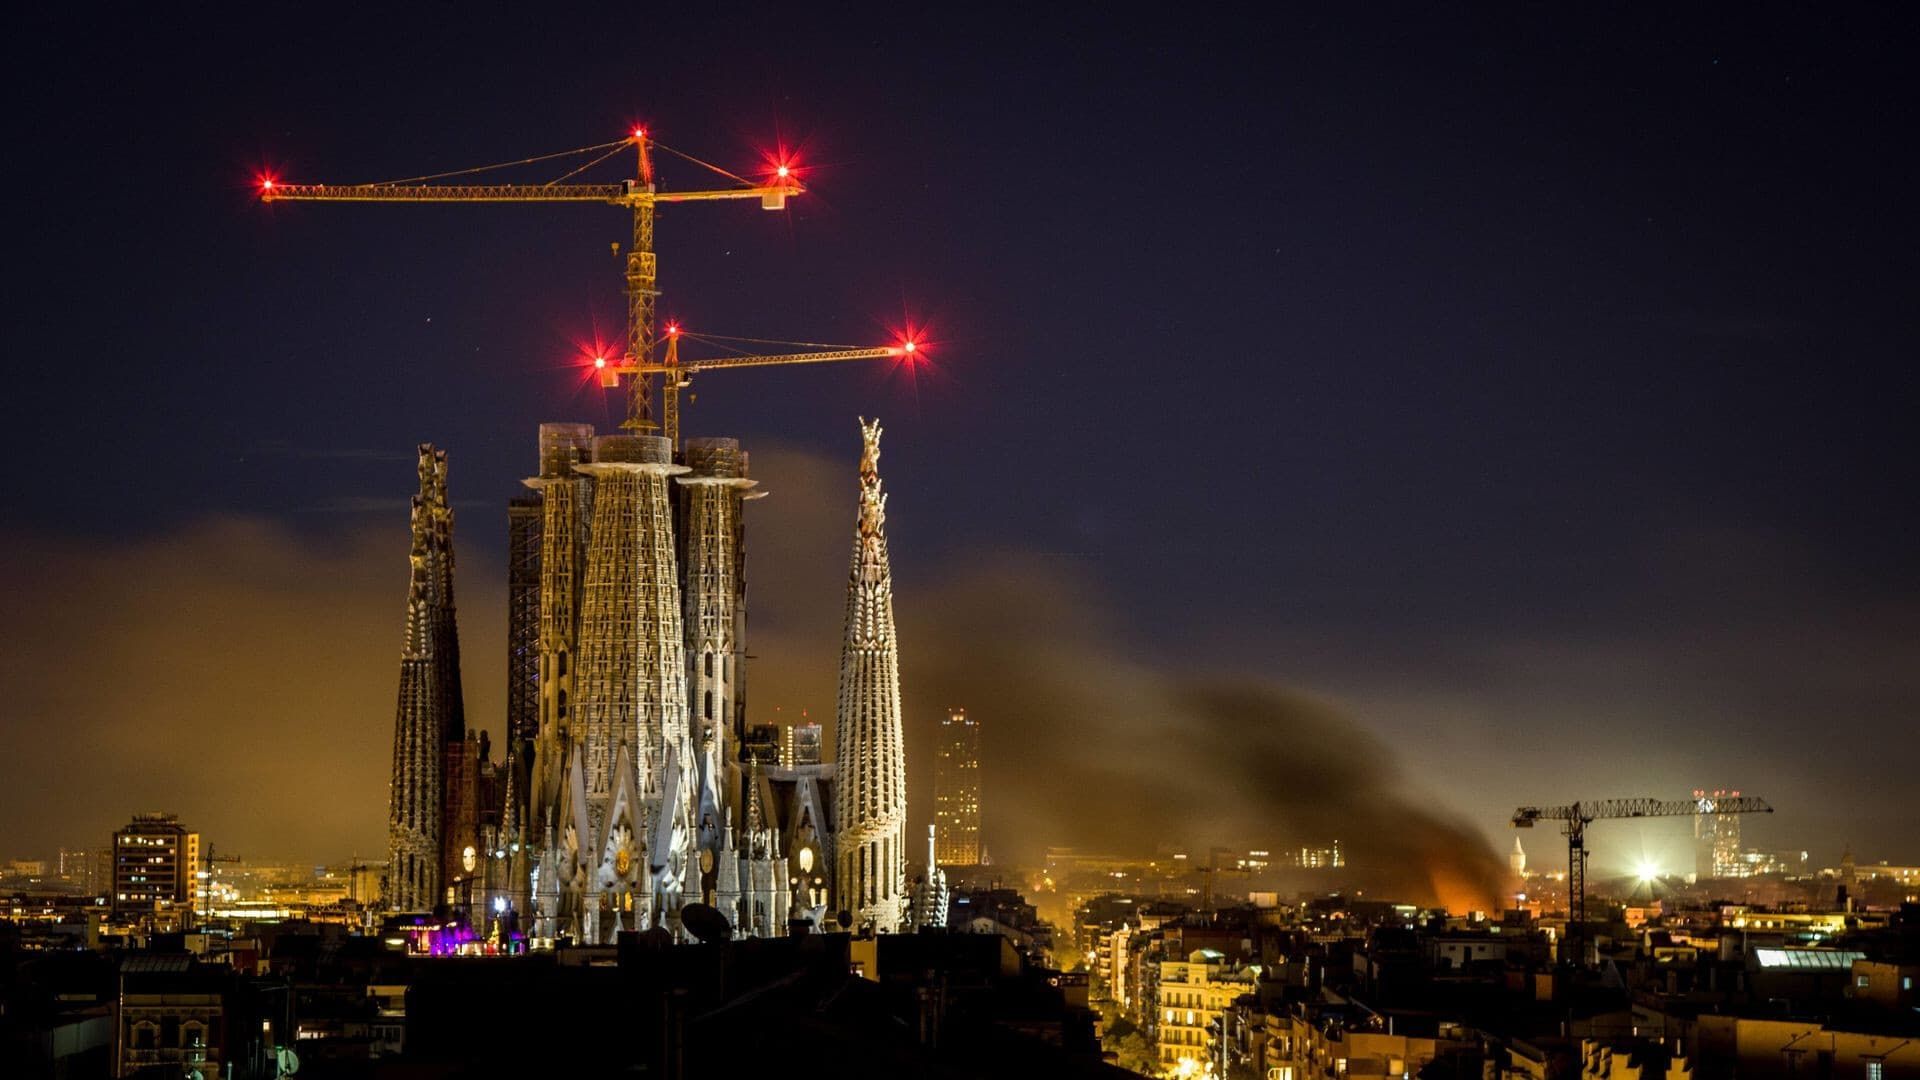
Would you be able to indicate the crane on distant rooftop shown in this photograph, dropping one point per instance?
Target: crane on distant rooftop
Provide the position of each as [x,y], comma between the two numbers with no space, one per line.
[1576,817]
[640,195]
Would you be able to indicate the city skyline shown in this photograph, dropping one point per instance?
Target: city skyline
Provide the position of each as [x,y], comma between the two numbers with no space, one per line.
[1506,503]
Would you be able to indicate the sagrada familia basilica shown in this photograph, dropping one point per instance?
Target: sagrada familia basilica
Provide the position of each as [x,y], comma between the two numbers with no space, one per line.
[633,788]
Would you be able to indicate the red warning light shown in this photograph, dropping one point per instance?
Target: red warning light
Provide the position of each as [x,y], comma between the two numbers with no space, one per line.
[673,328]
[910,347]
[266,183]
[639,133]
[599,361]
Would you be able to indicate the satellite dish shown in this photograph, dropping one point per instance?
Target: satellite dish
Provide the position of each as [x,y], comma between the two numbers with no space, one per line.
[706,923]
[845,919]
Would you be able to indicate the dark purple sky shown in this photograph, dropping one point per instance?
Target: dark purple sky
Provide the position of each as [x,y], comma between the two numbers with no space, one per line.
[1537,387]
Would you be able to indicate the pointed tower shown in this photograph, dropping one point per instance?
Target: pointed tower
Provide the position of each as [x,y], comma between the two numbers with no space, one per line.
[566,497]
[629,722]
[713,567]
[930,895]
[430,716]
[870,793]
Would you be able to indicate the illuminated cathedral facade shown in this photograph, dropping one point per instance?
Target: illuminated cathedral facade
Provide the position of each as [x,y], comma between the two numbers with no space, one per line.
[633,786]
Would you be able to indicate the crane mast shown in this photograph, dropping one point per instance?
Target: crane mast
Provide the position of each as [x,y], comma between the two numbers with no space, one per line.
[642,360]
[1575,818]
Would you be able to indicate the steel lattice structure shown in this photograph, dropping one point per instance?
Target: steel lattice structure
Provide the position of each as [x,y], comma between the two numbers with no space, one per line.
[1575,817]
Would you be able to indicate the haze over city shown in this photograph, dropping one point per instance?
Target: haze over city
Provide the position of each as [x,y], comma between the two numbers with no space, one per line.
[1311,431]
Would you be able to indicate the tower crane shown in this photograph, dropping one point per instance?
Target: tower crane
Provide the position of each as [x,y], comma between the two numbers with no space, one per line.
[205,877]
[641,196]
[1576,817]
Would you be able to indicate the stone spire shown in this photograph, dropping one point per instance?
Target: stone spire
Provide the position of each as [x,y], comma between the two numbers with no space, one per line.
[930,893]
[629,729]
[430,713]
[566,497]
[870,793]
[713,567]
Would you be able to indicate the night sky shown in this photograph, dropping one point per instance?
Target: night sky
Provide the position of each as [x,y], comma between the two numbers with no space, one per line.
[1533,390]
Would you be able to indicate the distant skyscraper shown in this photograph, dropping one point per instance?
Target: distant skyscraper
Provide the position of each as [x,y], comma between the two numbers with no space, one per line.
[1716,838]
[870,791]
[801,744]
[1517,859]
[430,715]
[956,791]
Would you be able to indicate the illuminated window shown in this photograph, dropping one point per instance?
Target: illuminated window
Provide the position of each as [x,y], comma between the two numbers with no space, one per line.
[1876,1069]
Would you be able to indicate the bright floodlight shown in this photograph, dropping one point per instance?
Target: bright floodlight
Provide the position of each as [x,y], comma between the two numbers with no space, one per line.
[1648,871]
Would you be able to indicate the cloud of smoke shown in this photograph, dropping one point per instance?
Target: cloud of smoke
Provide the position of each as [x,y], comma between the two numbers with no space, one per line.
[245,677]
[230,671]
[1084,744]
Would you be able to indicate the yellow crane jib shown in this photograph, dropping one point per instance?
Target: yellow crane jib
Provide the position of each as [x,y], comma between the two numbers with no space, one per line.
[639,195]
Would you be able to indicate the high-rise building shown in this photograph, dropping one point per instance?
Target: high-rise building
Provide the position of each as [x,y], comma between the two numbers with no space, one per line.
[154,859]
[870,792]
[956,791]
[1716,838]
[1517,859]
[801,744]
[430,715]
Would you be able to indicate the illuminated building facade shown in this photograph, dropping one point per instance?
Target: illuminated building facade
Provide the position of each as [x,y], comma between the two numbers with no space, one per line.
[566,499]
[801,744]
[646,789]
[633,750]
[870,788]
[1717,852]
[154,860]
[956,791]
[430,716]
[1192,995]
[713,557]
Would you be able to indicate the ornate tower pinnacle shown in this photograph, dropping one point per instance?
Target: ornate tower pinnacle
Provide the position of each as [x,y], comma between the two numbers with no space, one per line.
[430,713]
[870,790]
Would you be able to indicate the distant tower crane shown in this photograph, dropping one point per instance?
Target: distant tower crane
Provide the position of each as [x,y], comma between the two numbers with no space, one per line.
[205,879]
[1576,817]
[639,362]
